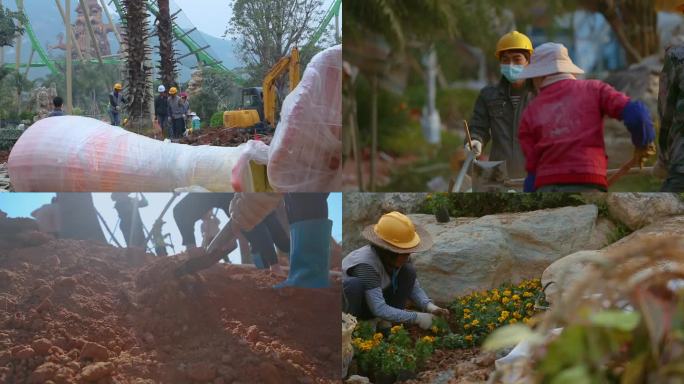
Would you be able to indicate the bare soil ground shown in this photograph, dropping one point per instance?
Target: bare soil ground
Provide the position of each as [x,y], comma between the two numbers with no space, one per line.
[79,312]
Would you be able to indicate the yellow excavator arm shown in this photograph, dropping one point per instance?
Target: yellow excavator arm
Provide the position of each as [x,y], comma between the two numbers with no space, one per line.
[287,63]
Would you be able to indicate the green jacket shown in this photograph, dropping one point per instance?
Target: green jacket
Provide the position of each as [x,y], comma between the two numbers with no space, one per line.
[671,111]
[495,119]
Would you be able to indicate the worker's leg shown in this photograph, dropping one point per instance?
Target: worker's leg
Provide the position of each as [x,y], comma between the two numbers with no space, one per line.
[192,207]
[116,119]
[261,246]
[354,299]
[674,183]
[160,251]
[571,188]
[310,231]
[278,234]
[398,296]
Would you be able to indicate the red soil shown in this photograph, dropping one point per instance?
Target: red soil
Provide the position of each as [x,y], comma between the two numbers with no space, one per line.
[222,137]
[77,312]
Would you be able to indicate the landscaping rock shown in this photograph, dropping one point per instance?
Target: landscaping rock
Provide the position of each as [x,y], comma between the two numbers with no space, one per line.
[356,379]
[568,269]
[637,210]
[41,346]
[43,373]
[94,351]
[492,250]
[361,209]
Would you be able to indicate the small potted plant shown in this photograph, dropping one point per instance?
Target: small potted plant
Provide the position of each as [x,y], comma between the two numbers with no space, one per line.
[439,204]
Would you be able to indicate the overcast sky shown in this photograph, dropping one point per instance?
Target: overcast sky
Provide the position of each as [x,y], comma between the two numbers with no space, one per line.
[22,204]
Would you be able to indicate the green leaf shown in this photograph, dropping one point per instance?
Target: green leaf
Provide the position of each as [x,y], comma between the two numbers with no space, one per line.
[578,374]
[510,336]
[634,370]
[621,320]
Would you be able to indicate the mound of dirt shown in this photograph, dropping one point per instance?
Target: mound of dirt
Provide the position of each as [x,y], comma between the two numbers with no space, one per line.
[82,312]
[459,366]
[223,137]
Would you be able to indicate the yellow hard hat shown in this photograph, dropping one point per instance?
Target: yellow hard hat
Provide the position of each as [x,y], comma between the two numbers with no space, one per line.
[398,230]
[118,86]
[173,91]
[513,40]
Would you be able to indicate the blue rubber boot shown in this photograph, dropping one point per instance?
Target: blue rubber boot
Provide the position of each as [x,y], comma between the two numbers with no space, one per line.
[309,254]
[258,261]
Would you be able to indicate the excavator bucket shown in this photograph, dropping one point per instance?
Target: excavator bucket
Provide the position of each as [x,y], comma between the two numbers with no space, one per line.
[241,119]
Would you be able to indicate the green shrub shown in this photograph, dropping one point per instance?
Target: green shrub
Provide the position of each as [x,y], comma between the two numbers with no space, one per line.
[216,120]
[482,204]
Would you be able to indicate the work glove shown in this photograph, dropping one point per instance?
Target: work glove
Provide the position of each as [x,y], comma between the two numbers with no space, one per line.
[249,209]
[437,311]
[424,320]
[638,121]
[477,147]
[641,155]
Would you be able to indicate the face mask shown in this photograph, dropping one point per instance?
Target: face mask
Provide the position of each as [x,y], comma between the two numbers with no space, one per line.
[512,72]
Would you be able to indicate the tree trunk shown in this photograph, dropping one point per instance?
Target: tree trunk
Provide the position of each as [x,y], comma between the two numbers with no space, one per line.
[137,90]
[635,22]
[166,53]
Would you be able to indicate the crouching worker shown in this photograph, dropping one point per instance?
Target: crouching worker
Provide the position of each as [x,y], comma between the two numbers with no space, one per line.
[561,132]
[379,280]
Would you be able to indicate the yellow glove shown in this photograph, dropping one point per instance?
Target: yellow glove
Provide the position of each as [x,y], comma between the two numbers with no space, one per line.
[249,209]
[641,155]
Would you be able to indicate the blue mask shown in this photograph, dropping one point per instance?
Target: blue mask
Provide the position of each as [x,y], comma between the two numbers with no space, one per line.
[512,72]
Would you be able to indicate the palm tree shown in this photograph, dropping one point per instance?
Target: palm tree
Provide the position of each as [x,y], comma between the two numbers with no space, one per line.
[166,53]
[136,37]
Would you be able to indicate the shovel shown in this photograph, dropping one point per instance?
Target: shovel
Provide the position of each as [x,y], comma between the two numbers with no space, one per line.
[222,244]
[487,175]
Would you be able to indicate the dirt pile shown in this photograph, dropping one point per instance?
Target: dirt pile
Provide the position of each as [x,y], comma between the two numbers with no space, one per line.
[82,312]
[459,366]
[223,137]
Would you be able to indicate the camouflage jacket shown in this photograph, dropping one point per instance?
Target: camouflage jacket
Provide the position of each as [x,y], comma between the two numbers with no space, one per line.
[671,111]
[495,118]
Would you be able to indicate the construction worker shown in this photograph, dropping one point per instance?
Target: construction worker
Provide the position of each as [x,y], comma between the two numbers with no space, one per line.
[561,132]
[47,217]
[78,217]
[186,111]
[379,279]
[57,103]
[161,110]
[159,239]
[130,223]
[310,231]
[262,237]
[116,102]
[177,112]
[671,140]
[498,108]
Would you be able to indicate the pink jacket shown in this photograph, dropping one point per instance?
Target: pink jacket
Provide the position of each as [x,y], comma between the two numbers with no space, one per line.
[561,132]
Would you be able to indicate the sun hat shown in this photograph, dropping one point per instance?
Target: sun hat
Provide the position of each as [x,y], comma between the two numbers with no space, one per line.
[549,59]
[397,233]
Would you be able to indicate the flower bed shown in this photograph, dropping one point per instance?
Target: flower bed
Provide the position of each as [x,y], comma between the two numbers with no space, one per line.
[401,352]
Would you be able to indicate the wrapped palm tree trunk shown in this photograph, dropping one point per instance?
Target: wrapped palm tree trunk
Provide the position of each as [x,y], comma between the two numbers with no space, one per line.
[137,91]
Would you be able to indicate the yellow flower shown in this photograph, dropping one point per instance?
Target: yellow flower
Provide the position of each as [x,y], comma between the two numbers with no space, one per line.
[517,315]
[505,300]
[396,328]
[366,345]
[515,298]
[528,305]
[496,297]
[507,292]
[491,326]
[428,339]
[501,319]
[357,341]
[528,294]
[512,321]
[467,326]
[466,316]
[475,323]
[505,314]
[377,337]
[434,329]
[469,338]
[466,310]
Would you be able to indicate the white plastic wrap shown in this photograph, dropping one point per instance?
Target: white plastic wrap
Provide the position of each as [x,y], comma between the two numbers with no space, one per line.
[241,178]
[306,152]
[72,154]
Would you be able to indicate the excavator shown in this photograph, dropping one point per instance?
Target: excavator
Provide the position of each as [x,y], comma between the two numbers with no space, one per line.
[258,111]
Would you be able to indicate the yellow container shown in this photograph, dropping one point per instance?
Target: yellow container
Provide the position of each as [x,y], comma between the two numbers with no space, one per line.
[240,119]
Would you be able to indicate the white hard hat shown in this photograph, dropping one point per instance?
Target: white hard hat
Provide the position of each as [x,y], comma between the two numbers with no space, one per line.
[161,89]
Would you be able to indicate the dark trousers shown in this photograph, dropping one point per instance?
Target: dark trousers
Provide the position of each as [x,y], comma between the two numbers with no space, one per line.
[306,206]
[163,121]
[160,250]
[178,127]
[355,303]
[674,183]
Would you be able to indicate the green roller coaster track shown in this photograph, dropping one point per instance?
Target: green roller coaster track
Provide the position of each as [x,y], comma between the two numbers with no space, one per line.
[184,37]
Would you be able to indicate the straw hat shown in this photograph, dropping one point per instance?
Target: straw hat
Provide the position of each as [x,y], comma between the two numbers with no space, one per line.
[397,233]
[549,59]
